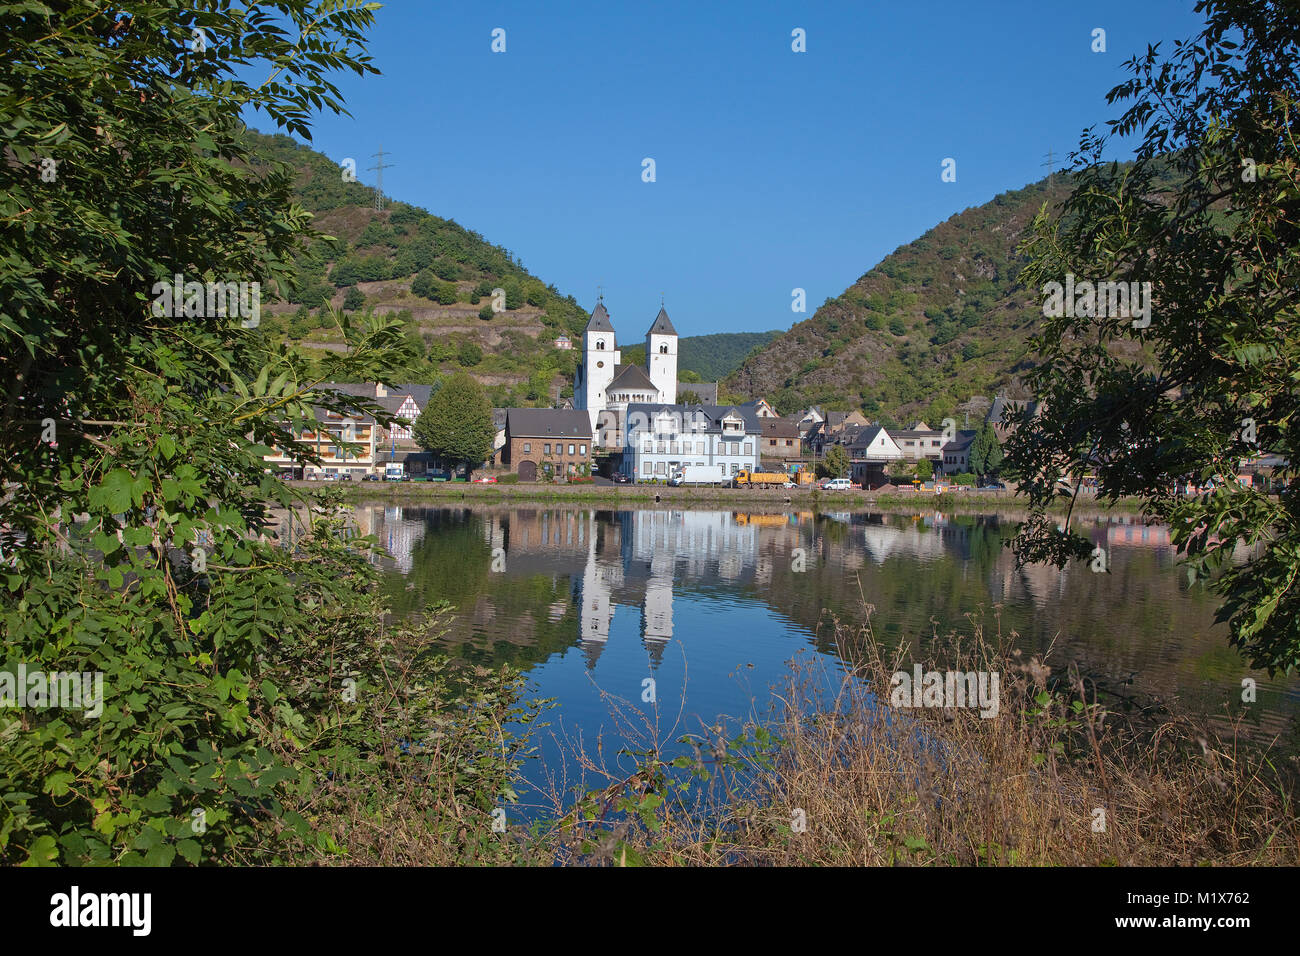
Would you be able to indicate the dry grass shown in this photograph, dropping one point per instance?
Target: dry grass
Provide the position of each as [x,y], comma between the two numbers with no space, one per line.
[882,786]
[876,785]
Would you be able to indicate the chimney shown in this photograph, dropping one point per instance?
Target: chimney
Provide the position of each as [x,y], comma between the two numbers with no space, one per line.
[380,391]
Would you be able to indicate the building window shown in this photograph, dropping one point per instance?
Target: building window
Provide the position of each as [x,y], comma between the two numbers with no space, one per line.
[699,448]
[546,449]
[647,468]
[600,343]
[659,468]
[528,447]
[663,350]
[663,448]
[735,469]
[582,450]
[749,448]
[570,448]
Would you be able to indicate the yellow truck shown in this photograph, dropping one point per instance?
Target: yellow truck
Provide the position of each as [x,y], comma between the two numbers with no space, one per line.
[761,479]
[803,475]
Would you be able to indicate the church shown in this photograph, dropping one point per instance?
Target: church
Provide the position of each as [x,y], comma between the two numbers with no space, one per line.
[604,386]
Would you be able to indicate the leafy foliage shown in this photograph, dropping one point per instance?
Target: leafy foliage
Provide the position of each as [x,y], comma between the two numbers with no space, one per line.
[136,528]
[1213,378]
[457,422]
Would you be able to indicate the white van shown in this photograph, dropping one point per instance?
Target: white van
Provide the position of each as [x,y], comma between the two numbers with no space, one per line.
[837,484]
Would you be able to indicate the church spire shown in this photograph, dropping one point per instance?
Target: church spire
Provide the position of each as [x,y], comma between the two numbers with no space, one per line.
[662,324]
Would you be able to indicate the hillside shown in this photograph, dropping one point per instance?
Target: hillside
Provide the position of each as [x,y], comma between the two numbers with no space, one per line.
[938,321]
[711,357]
[438,277]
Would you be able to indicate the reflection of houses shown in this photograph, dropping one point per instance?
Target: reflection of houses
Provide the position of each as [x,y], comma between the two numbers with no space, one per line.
[397,533]
[1132,535]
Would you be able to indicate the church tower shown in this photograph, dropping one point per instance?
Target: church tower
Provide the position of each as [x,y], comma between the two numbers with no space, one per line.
[661,357]
[599,356]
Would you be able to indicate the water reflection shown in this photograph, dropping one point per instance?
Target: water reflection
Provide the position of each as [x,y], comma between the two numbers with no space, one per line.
[537,586]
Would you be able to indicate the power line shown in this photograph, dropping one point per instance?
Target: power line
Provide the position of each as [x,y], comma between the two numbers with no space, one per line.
[379,177]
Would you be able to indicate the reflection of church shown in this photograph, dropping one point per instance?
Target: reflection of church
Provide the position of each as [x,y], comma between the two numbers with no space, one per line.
[631,561]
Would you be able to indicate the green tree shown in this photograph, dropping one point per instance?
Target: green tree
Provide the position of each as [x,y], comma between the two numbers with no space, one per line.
[924,469]
[986,452]
[148,422]
[469,354]
[456,424]
[836,462]
[354,299]
[1200,373]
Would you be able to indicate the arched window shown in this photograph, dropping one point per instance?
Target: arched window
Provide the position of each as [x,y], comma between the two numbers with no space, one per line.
[663,349]
[600,343]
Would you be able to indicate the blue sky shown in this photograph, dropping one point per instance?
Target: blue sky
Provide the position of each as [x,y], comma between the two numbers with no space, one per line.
[774,169]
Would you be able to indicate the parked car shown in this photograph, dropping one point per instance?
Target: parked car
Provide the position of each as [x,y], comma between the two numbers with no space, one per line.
[836,484]
[486,480]
[993,486]
[621,479]
[370,476]
[346,476]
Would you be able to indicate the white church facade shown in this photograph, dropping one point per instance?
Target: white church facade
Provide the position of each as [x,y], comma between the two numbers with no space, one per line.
[604,387]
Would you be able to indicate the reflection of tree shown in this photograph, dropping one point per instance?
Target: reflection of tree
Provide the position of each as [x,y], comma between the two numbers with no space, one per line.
[451,563]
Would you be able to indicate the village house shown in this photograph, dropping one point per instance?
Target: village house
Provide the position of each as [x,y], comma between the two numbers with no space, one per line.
[547,441]
[761,408]
[780,439]
[356,444]
[956,454]
[919,441]
[830,428]
[1001,405]
[660,439]
[871,452]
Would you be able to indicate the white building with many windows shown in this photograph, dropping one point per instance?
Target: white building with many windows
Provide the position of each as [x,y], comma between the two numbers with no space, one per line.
[660,439]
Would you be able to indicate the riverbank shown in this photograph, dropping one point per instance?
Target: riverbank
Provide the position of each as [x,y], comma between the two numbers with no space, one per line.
[1049,770]
[763,499]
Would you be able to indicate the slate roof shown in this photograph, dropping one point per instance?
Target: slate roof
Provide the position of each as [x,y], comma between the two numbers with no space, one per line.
[547,423]
[713,415]
[707,391]
[864,435]
[599,320]
[662,325]
[780,427]
[630,377]
[963,441]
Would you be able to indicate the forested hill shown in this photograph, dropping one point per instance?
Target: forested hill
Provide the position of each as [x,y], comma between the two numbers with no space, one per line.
[938,321]
[438,276]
